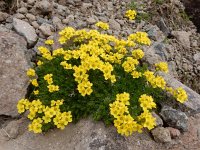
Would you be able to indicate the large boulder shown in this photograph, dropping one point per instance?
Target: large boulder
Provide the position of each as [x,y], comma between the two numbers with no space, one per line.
[13,66]
[84,135]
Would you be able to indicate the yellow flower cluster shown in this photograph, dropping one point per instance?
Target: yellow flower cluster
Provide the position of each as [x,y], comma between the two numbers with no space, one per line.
[137,54]
[22,105]
[124,123]
[45,52]
[162,66]
[146,102]
[66,34]
[155,81]
[146,118]
[51,87]
[102,25]
[179,93]
[49,114]
[49,42]
[140,37]
[130,64]
[36,125]
[131,14]
[98,52]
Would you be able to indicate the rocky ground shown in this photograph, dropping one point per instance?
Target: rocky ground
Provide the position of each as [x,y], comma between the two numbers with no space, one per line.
[24,25]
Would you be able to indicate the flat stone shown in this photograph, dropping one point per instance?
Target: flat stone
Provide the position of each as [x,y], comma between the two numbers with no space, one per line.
[161,134]
[26,30]
[84,135]
[13,66]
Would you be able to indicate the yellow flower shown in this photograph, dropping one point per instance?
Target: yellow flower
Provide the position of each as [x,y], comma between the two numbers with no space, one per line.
[102,25]
[34,82]
[31,72]
[162,66]
[36,92]
[39,63]
[53,88]
[136,74]
[49,42]
[131,14]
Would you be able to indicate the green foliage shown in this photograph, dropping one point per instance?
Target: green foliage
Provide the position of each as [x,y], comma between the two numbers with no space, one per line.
[104,92]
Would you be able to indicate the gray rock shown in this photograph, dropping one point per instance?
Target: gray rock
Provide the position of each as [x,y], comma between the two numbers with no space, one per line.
[174,132]
[110,6]
[183,37]
[9,26]
[174,118]
[40,21]
[31,2]
[12,129]
[91,20]
[81,24]
[13,66]
[22,10]
[196,57]
[160,49]
[57,23]
[46,29]
[85,7]
[45,6]
[35,24]
[30,17]
[163,27]
[104,19]
[159,121]
[155,34]
[161,134]
[198,133]
[19,16]
[3,16]
[84,135]
[26,30]
[114,25]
